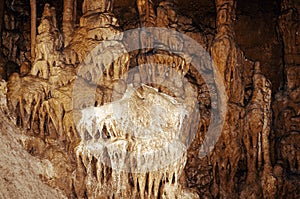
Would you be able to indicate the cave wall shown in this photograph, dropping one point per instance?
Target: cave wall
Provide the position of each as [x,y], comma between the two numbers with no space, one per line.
[15,42]
[257,154]
[258,36]
[286,103]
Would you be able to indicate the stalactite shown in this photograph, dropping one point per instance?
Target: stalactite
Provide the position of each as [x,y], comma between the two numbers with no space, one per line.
[102,137]
[33,27]
[162,159]
[225,52]
[146,12]
[68,20]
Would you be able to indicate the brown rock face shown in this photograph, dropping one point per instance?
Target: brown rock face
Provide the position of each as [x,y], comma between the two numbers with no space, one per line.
[287,106]
[142,102]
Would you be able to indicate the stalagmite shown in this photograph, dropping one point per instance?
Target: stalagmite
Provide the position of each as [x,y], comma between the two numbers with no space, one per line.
[117,112]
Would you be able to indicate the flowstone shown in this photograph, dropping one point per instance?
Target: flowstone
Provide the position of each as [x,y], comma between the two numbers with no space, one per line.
[132,137]
[125,147]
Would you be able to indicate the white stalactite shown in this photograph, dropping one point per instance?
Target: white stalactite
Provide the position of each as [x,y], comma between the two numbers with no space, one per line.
[149,151]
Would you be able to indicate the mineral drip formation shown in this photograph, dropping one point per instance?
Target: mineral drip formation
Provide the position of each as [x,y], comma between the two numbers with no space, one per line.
[125,147]
[107,122]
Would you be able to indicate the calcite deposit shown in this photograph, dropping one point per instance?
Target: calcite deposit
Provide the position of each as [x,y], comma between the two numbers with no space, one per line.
[147,99]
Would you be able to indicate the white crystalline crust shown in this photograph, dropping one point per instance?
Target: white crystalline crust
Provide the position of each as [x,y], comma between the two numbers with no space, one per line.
[134,139]
[140,114]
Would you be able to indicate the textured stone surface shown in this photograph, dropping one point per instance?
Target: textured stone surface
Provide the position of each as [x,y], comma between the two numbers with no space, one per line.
[287,105]
[75,136]
[24,179]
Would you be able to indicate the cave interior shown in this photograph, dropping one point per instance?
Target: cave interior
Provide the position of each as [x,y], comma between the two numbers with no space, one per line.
[150,98]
